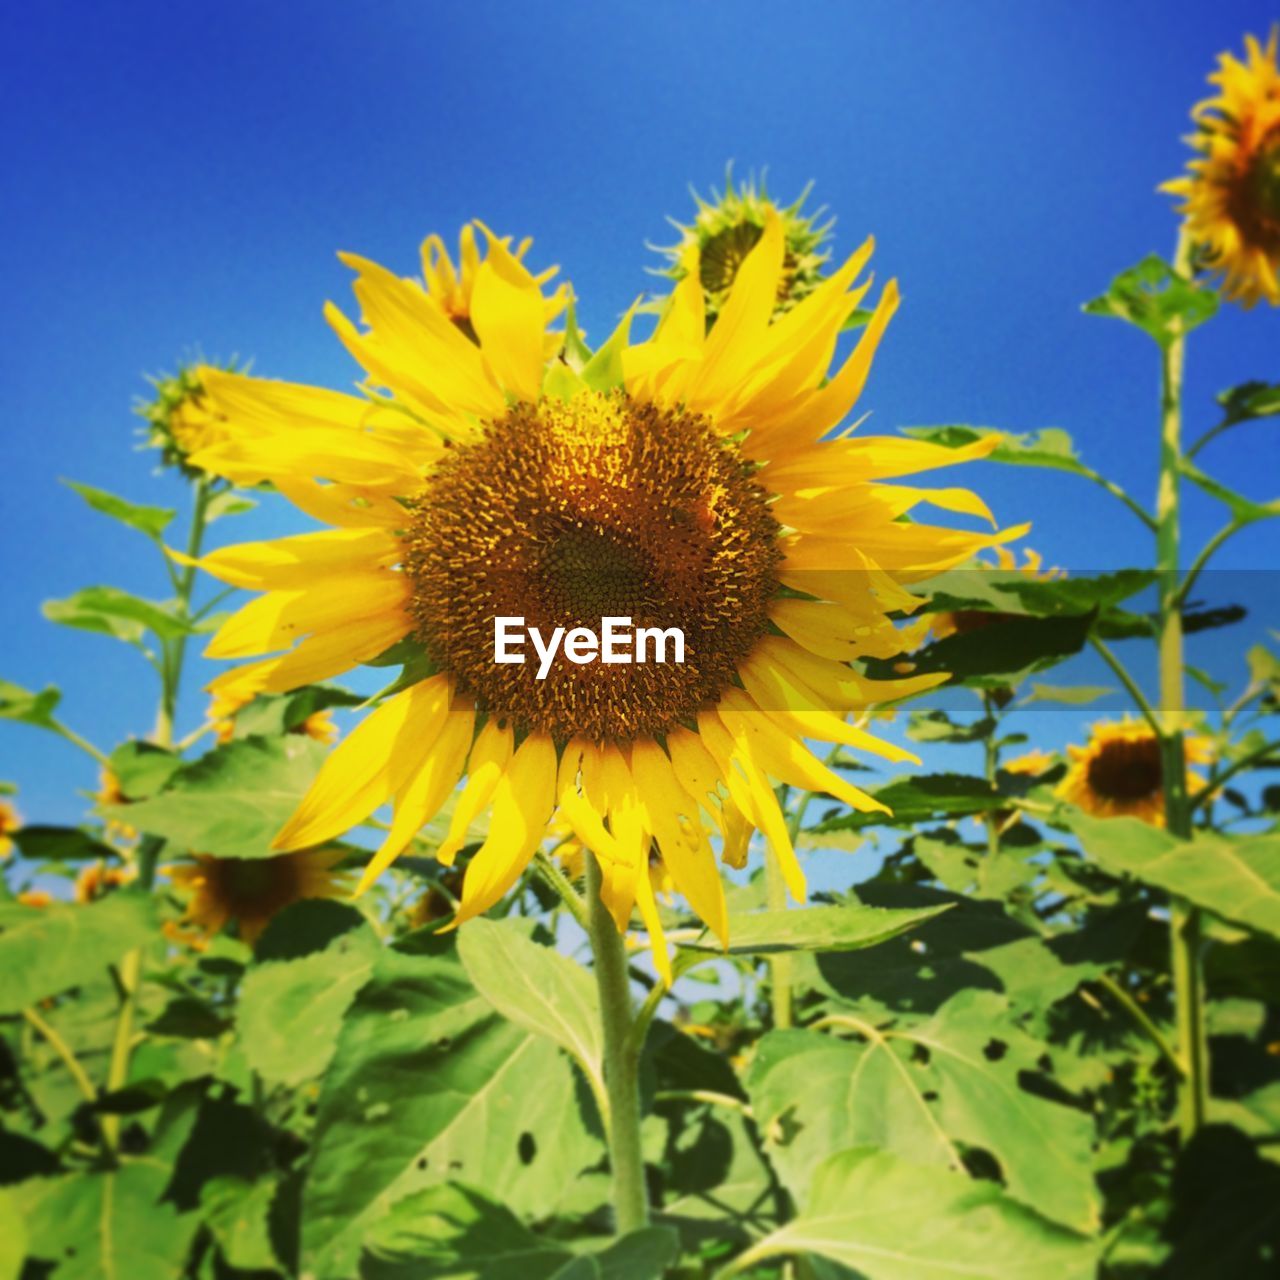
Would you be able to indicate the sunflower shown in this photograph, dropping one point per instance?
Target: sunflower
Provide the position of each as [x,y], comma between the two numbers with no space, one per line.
[679,481]
[180,420]
[1119,772]
[109,792]
[1031,764]
[452,289]
[96,881]
[10,821]
[1231,194]
[38,898]
[251,891]
[728,226]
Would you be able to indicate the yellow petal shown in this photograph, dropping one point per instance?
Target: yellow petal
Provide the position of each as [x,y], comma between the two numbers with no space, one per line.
[486,764]
[509,315]
[370,766]
[298,561]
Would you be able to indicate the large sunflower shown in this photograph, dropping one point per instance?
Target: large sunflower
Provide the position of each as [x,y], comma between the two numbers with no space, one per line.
[1119,773]
[681,481]
[1231,196]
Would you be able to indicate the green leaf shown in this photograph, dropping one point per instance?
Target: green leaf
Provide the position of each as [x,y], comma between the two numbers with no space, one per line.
[935,725]
[142,768]
[61,844]
[1079,695]
[17,703]
[921,798]
[112,612]
[152,521]
[926,1091]
[642,1255]
[267,717]
[536,988]
[228,503]
[1244,509]
[13,1238]
[45,950]
[456,1233]
[291,1011]
[891,1220]
[430,1085]
[1156,299]
[232,801]
[1051,448]
[1237,877]
[111,1223]
[189,1018]
[850,927]
[237,1213]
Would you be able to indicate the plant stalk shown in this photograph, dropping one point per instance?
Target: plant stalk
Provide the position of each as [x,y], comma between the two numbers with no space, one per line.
[1184,918]
[621,1060]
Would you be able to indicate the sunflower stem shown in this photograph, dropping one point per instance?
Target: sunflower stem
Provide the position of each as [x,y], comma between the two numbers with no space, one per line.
[781,968]
[1184,918]
[65,1052]
[621,1060]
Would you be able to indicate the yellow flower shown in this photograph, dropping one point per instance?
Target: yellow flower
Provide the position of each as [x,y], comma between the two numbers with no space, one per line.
[963,621]
[729,225]
[452,289]
[1231,195]
[251,891]
[1119,773]
[692,488]
[96,881]
[37,898]
[1031,763]
[10,821]
[180,420]
[109,792]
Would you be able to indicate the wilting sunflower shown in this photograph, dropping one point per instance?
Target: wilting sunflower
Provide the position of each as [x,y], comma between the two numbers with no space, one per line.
[682,481]
[9,823]
[1118,773]
[729,225]
[1231,196]
[252,891]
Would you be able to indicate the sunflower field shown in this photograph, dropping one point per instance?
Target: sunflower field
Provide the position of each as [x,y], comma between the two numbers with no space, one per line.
[447,940]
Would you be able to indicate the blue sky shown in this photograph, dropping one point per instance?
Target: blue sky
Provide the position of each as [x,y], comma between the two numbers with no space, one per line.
[181,177]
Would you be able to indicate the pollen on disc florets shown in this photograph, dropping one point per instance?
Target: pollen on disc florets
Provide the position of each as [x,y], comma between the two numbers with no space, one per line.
[1126,769]
[564,513]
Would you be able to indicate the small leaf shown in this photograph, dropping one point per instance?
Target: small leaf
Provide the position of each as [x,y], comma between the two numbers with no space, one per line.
[110,611]
[1073,695]
[844,928]
[152,521]
[1156,299]
[17,703]
[228,503]
[919,798]
[142,768]
[61,844]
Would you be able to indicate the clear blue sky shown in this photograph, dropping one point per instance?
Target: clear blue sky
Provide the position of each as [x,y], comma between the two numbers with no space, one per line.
[181,176]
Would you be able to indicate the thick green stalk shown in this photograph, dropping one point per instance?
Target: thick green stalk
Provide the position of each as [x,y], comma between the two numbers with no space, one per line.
[621,1060]
[1184,919]
[781,967]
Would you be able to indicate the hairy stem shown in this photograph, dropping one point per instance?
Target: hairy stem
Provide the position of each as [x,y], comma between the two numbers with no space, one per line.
[621,1060]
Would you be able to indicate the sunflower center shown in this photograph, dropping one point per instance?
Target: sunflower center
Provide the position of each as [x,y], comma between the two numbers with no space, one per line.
[1264,182]
[1126,770]
[255,884]
[567,513]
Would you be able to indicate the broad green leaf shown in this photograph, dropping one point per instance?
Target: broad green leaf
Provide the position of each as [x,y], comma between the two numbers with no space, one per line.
[61,844]
[142,768]
[268,716]
[108,1224]
[919,798]
[17,703]
[452,1232]
[232,801]
[850,927]
[926,1091]
[45,950]
[112,612]
[642,1255]
[1237,877]
[291,1011]
[152,521]
[13,1238]
[536,988]
[430,1085]
[892,1220]
[1156,299]
[935,725]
